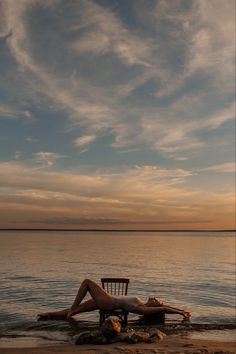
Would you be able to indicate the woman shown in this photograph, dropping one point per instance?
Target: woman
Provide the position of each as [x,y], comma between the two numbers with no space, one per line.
[103,301]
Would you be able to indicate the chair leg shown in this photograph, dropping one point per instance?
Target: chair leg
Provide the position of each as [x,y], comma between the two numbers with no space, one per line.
[102,318]
[125,320]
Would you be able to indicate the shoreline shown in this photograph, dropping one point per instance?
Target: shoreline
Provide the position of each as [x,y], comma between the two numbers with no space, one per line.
[198,340]
[172,344]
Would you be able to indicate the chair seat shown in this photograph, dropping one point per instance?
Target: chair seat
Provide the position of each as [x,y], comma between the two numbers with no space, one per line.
[114,312]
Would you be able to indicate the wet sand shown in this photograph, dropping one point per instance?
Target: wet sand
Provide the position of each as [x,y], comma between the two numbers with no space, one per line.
[172,344]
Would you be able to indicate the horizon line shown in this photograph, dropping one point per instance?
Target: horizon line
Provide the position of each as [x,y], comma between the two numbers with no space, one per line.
[115,230]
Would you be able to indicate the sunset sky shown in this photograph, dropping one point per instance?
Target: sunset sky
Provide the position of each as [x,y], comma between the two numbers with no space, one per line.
[117,114]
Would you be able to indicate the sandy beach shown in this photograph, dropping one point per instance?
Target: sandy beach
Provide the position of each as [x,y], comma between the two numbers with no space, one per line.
[170,345]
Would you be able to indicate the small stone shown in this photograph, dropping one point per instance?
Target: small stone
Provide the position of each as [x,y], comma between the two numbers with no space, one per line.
[156,333]
[138,337]
[89,337]
[122,337]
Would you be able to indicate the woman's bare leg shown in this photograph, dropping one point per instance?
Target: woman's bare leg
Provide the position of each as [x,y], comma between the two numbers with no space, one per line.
[86,306]
[54,314]
[101,298]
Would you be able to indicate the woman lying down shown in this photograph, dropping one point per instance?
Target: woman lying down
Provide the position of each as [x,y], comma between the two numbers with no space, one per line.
[101,300]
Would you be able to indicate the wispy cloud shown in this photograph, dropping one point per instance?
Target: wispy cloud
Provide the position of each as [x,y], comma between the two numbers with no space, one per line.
[154,82]
[103,221]
[143,194]
[227,167]
[31,139]
[17,155]
[46,158]
[212,45]
[220,117]
[105,33]
[174,134]
[202,34]
[85,140]
[83,110]
[7,112]
[197,33]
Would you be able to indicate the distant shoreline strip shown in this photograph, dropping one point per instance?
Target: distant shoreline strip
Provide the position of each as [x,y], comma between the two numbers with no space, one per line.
[112,230]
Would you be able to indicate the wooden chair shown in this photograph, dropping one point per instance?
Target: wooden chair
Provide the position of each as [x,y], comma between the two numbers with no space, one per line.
[115,286]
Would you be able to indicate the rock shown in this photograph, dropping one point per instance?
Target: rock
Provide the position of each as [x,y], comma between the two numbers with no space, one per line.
[89,337]
[138,337]
[156,333]
[110,332]
[122,337]
[132,337]
[110,327]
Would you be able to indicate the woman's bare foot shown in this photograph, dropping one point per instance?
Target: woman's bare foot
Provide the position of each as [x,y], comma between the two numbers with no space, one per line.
[54,315]
[70,314]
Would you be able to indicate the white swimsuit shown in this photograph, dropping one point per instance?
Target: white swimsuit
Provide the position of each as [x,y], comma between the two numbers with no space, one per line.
[128,303]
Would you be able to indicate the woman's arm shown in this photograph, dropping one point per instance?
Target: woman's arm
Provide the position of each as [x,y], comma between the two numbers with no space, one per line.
[146,310]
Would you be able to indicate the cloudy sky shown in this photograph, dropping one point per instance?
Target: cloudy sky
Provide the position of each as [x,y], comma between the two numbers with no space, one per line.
[117,114]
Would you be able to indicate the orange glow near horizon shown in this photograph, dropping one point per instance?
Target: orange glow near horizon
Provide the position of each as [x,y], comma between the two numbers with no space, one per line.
[148,199]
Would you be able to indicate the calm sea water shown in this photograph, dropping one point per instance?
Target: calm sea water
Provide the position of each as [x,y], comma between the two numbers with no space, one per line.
[41,271]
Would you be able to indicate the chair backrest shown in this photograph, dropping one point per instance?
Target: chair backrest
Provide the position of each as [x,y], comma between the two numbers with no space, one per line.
[115,286]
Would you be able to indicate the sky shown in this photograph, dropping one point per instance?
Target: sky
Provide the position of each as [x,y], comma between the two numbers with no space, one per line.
[117,114]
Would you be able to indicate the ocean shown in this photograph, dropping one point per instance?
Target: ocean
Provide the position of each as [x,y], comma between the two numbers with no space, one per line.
[42,270]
